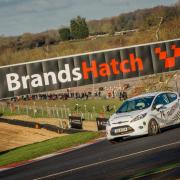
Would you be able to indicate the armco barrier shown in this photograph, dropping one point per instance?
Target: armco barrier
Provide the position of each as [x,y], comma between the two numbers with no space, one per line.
[44,126]
[19,123]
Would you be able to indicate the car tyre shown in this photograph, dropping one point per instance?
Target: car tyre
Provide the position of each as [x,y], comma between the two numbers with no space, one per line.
[153,128]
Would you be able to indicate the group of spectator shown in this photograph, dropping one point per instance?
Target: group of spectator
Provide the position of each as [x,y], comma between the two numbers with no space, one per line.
[53,96]
[68,94]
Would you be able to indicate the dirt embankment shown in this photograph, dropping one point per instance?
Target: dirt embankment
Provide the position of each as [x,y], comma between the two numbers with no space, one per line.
[12,136]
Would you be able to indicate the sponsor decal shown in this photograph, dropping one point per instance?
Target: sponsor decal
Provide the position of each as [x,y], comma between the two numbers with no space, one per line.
[173,109]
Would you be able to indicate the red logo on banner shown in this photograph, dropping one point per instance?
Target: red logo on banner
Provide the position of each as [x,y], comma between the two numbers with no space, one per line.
[169,61]
[134,64]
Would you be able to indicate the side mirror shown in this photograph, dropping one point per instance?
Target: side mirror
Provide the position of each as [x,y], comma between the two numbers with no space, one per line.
[159,106]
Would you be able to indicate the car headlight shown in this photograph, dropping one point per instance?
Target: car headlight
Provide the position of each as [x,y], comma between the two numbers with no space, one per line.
[137,118]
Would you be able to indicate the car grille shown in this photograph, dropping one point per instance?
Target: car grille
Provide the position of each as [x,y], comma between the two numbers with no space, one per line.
[120,122]
[120,130]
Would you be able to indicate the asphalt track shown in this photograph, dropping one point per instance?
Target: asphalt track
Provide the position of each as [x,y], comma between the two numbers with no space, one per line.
[109,161]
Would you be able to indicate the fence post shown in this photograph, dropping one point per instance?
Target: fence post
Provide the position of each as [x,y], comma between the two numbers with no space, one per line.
[10,108]
[26,109]
[60,120]
[61,113]
[85,106]
[91,116]
[34,109]
[55,111]
[77,108]
[82,115]
[65,111]
[47,109]
[18,109]
[42,111]
[94,111]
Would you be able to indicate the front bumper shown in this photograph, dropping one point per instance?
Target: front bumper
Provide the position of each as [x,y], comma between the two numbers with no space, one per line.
[121,130]
[126,130]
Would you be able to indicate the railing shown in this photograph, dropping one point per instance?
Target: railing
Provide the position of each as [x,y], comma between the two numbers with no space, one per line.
[9,109]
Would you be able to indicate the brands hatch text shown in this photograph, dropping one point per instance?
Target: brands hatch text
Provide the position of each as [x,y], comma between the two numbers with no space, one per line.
[114,67]
[144,114]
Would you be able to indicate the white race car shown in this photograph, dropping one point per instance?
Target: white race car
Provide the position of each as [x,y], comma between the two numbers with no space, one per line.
[144,114]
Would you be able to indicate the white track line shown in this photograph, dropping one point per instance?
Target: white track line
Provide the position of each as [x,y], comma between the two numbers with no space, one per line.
[108,160]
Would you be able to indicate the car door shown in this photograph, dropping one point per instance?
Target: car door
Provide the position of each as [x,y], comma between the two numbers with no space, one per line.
[161,114]
[174,109]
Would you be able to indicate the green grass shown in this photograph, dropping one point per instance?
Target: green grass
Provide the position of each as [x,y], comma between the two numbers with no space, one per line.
[98,104]
[49,146]
[88,109]
[75,47]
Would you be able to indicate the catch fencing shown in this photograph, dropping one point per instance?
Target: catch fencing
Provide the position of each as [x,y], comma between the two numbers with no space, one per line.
[46,111]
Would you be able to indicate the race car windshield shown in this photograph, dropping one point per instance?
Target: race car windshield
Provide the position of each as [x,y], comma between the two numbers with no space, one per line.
[135,104]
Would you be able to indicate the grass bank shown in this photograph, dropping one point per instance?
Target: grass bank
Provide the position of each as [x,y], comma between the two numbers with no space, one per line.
[42,148]
[90,105]
[88,109]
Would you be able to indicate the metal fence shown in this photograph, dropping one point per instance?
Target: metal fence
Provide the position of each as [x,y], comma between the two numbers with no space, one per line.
[46,111]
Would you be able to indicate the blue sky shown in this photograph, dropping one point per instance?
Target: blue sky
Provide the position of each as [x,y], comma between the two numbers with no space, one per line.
[19,16]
